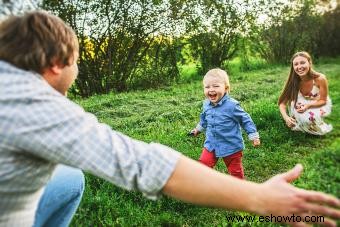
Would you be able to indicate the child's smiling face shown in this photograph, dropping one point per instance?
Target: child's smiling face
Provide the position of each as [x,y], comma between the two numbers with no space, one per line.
[214,89]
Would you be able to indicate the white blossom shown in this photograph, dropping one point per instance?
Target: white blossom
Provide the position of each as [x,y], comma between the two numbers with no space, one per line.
[17,7]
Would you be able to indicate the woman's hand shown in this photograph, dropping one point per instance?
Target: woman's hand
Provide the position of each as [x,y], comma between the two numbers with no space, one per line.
[302,108]
[290,122]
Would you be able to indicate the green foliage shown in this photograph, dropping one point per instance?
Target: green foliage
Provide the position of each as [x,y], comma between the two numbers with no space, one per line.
[137,44]
[158,67]
[328,42]
[166,115]
[217,31]
[122,43]
[212,50]
[189,73]
[245,64]
[296,27]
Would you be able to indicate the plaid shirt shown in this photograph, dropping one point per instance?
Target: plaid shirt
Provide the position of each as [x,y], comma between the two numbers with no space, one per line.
[40,128]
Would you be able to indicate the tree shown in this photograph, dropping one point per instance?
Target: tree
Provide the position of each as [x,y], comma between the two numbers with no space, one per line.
[216,31]
[290,28]
[328,42]
[116,40]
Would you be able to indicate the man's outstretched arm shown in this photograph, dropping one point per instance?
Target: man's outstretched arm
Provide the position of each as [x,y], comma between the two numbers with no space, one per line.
[192,182]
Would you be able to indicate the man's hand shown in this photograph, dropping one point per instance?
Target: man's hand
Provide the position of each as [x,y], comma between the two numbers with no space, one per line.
[280,198]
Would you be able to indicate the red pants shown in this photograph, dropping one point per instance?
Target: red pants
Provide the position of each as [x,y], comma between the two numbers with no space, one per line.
[233,162]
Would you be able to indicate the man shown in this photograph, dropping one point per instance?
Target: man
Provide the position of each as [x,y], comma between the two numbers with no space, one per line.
[40,127]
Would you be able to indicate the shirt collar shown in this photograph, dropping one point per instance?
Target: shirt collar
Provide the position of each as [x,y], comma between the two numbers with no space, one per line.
[225,97]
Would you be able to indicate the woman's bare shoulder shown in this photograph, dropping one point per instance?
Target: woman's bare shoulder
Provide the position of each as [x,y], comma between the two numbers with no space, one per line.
[320,78]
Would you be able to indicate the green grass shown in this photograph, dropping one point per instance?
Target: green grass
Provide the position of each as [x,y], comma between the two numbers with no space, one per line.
[166,115]
[239,64]
[189,72]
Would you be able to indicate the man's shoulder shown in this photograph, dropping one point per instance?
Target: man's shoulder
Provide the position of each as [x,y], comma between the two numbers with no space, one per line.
[10,72]
[28,91]
[18,83]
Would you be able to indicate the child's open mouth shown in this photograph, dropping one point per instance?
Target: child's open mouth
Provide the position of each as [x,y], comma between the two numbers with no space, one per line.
[212,96]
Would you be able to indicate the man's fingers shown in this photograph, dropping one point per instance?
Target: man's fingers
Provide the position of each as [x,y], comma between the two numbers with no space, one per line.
[317,209]
[292,174]
[322,198]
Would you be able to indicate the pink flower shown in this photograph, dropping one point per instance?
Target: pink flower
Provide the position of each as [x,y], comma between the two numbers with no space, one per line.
[311,116]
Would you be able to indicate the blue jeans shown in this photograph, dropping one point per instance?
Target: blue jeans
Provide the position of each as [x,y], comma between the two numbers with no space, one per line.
[61,197]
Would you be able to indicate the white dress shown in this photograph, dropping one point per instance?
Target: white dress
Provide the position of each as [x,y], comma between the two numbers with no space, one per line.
[311,121]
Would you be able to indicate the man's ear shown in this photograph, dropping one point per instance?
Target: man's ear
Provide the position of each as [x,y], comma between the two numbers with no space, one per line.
[55,69]
[51,74]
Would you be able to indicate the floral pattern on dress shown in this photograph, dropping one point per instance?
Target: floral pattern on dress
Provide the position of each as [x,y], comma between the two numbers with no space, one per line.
[311,121]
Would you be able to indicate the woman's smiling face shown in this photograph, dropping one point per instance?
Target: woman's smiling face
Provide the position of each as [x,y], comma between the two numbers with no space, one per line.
[301,65]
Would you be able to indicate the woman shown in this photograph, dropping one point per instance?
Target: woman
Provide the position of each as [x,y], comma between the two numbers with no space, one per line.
[306,93]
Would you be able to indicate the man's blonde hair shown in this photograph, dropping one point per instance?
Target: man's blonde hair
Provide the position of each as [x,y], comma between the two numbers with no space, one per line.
[219,74]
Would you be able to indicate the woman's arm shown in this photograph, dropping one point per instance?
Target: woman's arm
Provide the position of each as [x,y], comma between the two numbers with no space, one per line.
[322,83]
[290,122]
[195,183]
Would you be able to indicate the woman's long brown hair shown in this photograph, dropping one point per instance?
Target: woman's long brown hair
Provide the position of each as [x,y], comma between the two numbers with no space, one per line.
[292,86]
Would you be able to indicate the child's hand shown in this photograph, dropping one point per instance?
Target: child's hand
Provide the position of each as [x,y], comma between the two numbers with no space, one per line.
[194,132]
[256,142]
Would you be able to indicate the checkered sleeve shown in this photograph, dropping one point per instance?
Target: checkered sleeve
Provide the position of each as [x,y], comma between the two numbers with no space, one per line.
[57,130]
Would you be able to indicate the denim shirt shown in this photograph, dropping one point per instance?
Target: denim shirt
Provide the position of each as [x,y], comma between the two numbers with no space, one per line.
[223,126]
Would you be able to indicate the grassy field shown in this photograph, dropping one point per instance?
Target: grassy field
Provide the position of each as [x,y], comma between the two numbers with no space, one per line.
[166,115]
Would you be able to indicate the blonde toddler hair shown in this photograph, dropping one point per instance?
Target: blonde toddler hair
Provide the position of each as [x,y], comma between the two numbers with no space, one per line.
[219,74]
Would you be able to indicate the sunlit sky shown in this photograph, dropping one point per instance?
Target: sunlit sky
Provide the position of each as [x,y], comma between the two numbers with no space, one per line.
[321,7]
